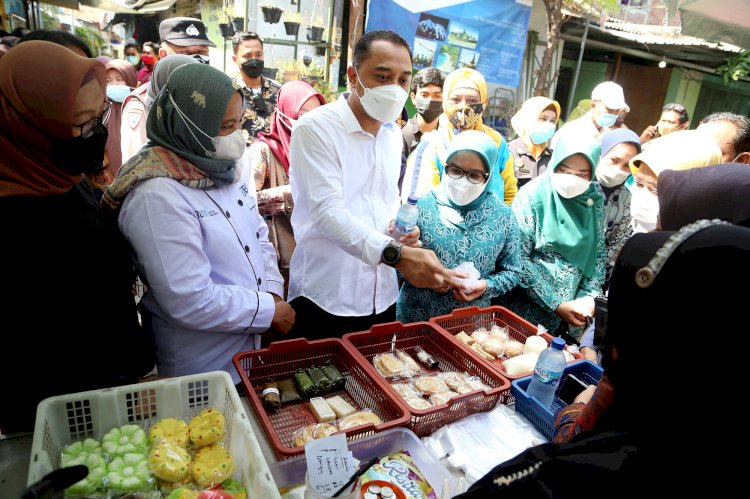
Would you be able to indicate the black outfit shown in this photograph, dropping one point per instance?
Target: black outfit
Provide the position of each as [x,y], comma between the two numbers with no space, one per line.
[68,313]
[314,323]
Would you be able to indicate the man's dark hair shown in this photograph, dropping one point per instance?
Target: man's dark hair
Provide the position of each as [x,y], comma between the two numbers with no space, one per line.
[742,123]
[9,41]
[362,48]
[242,36]
[427,76]
[131,45]
[59,37]
[153,46]
[679,109]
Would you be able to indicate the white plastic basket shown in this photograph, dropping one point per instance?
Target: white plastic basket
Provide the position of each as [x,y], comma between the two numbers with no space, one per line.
[64,419]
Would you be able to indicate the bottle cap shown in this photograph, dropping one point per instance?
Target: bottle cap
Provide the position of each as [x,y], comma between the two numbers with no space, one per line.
[412,199]
[558,343]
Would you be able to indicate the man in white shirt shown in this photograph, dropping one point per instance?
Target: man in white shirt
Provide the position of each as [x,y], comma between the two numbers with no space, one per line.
[607,101]
[345,159]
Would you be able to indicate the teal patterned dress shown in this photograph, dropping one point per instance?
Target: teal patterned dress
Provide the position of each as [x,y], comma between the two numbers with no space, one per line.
[487,236]
[547,278]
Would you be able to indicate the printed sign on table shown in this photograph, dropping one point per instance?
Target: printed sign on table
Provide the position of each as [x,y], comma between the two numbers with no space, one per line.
[486,35]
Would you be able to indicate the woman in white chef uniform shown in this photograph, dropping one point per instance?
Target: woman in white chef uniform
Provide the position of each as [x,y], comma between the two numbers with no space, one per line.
[187,205]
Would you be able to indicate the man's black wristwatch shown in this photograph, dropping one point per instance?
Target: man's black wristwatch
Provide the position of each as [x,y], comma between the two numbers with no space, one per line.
[391,253]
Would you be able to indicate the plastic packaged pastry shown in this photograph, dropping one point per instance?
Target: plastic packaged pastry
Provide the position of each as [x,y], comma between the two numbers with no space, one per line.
[207,427]
[337,379]
[408,361]
[314,431]
[168,460]
[389,366]
[418,403]
[170,428]
[442,397]
[212,465]
[358,419]
[406,390]
[288,391]
[430,385]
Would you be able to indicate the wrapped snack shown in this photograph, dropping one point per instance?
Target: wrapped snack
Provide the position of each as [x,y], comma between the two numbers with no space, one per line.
[499,333]
[467,284]
[494,346]
[305,384]
[406,390]
[389,366]
[321,410]
[400,469]
[476,384]
[337,380]
[418,403]
[129,473]
[318,377]
[520,364]
[212,465]
[287,391]
[270,395]
[314,431]
[228,489]
[478,348]
[465,338]
[425,358]
[430,385]
[480,335]
[513,348]
[340,407]
[167,488]
[535,344]
[126,439]
[358,419]
[97,466]
[568,356]
[206,427]
[406,359]
[168,460]
[80,448]
[453,379]
[442,397]
[170,428]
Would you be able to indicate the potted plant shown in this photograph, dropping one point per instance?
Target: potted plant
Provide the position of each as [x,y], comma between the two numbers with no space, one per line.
[312,72]
[315,31]
[227,30]
[271,13]
[238,23]
[291,69]
[292,21]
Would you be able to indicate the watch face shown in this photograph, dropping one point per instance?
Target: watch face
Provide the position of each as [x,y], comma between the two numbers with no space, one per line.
[390,254]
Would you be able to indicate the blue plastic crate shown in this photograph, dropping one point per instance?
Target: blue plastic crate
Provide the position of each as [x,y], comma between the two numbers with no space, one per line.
[541,417]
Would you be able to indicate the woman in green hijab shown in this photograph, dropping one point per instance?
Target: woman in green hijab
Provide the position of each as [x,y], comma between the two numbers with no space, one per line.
[463,221]
[560,216]
[187,206]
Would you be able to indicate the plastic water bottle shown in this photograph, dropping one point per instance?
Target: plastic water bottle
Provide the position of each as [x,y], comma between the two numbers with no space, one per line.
[406,219]
[547,373]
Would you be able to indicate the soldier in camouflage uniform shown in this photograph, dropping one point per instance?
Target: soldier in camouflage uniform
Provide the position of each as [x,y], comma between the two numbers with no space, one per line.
[260,92]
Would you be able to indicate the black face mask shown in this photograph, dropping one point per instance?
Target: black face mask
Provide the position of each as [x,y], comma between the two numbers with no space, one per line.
[203,59]
[81,155]
[429,109]
[253,67]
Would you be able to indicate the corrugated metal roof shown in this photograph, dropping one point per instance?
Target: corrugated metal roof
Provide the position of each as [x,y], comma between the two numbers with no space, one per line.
[660,35]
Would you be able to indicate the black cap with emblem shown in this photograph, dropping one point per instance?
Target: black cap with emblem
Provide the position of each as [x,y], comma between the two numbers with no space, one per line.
[184,31]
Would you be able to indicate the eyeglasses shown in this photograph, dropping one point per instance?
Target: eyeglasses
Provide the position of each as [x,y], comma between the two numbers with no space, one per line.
[87,127]
[474,176]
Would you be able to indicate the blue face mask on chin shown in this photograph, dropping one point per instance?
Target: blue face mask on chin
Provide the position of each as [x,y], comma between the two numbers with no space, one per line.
[118,93]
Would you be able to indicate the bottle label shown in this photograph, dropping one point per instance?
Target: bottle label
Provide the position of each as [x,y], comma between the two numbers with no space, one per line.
[546,376]
[269,390]
[400,227]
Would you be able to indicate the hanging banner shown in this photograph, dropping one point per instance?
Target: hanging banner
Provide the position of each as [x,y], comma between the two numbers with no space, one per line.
[486,35]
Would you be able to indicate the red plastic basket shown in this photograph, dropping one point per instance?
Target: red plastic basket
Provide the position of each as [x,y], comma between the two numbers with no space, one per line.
[451,355]
[470,319]
[282,358]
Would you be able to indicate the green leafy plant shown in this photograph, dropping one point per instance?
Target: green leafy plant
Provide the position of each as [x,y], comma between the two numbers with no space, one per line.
[293,17]
[735,67]
[317,22]
[92,38]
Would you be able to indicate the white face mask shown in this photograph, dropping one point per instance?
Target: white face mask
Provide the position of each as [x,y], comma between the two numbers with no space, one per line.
[289,123]
[460,190]
[610,176]
[383,103]
[644,208]
[230,147]
[569,186]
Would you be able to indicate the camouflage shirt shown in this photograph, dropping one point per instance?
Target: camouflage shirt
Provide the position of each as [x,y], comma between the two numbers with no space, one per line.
[258,110]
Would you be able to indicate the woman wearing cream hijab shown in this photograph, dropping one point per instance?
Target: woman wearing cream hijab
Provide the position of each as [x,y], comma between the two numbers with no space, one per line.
[535,124]
[464,100]
[680,150]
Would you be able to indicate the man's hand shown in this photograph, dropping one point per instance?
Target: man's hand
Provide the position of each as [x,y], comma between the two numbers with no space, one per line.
[467,297]
[567,312]
[283,317]
[423,269]
[651,132]
[410,239]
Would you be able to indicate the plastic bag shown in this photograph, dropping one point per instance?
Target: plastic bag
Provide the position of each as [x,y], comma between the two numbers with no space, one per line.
[467,285]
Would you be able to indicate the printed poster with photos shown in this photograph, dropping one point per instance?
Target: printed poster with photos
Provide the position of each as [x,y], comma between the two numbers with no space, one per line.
[486,35]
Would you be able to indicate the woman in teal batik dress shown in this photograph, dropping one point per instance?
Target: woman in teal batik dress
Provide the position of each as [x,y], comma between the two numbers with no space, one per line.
[462,221]
[560,217]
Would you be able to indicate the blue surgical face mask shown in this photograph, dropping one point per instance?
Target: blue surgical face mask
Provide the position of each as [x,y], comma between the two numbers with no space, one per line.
[118,93]
[541,131]
[606,119]
[133,59]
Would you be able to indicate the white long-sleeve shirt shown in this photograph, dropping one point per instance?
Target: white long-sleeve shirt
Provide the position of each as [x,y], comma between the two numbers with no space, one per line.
[209,267]
[345,190]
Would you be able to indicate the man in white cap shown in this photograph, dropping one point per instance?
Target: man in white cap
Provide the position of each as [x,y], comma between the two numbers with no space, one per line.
[607,101]
[184,35]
